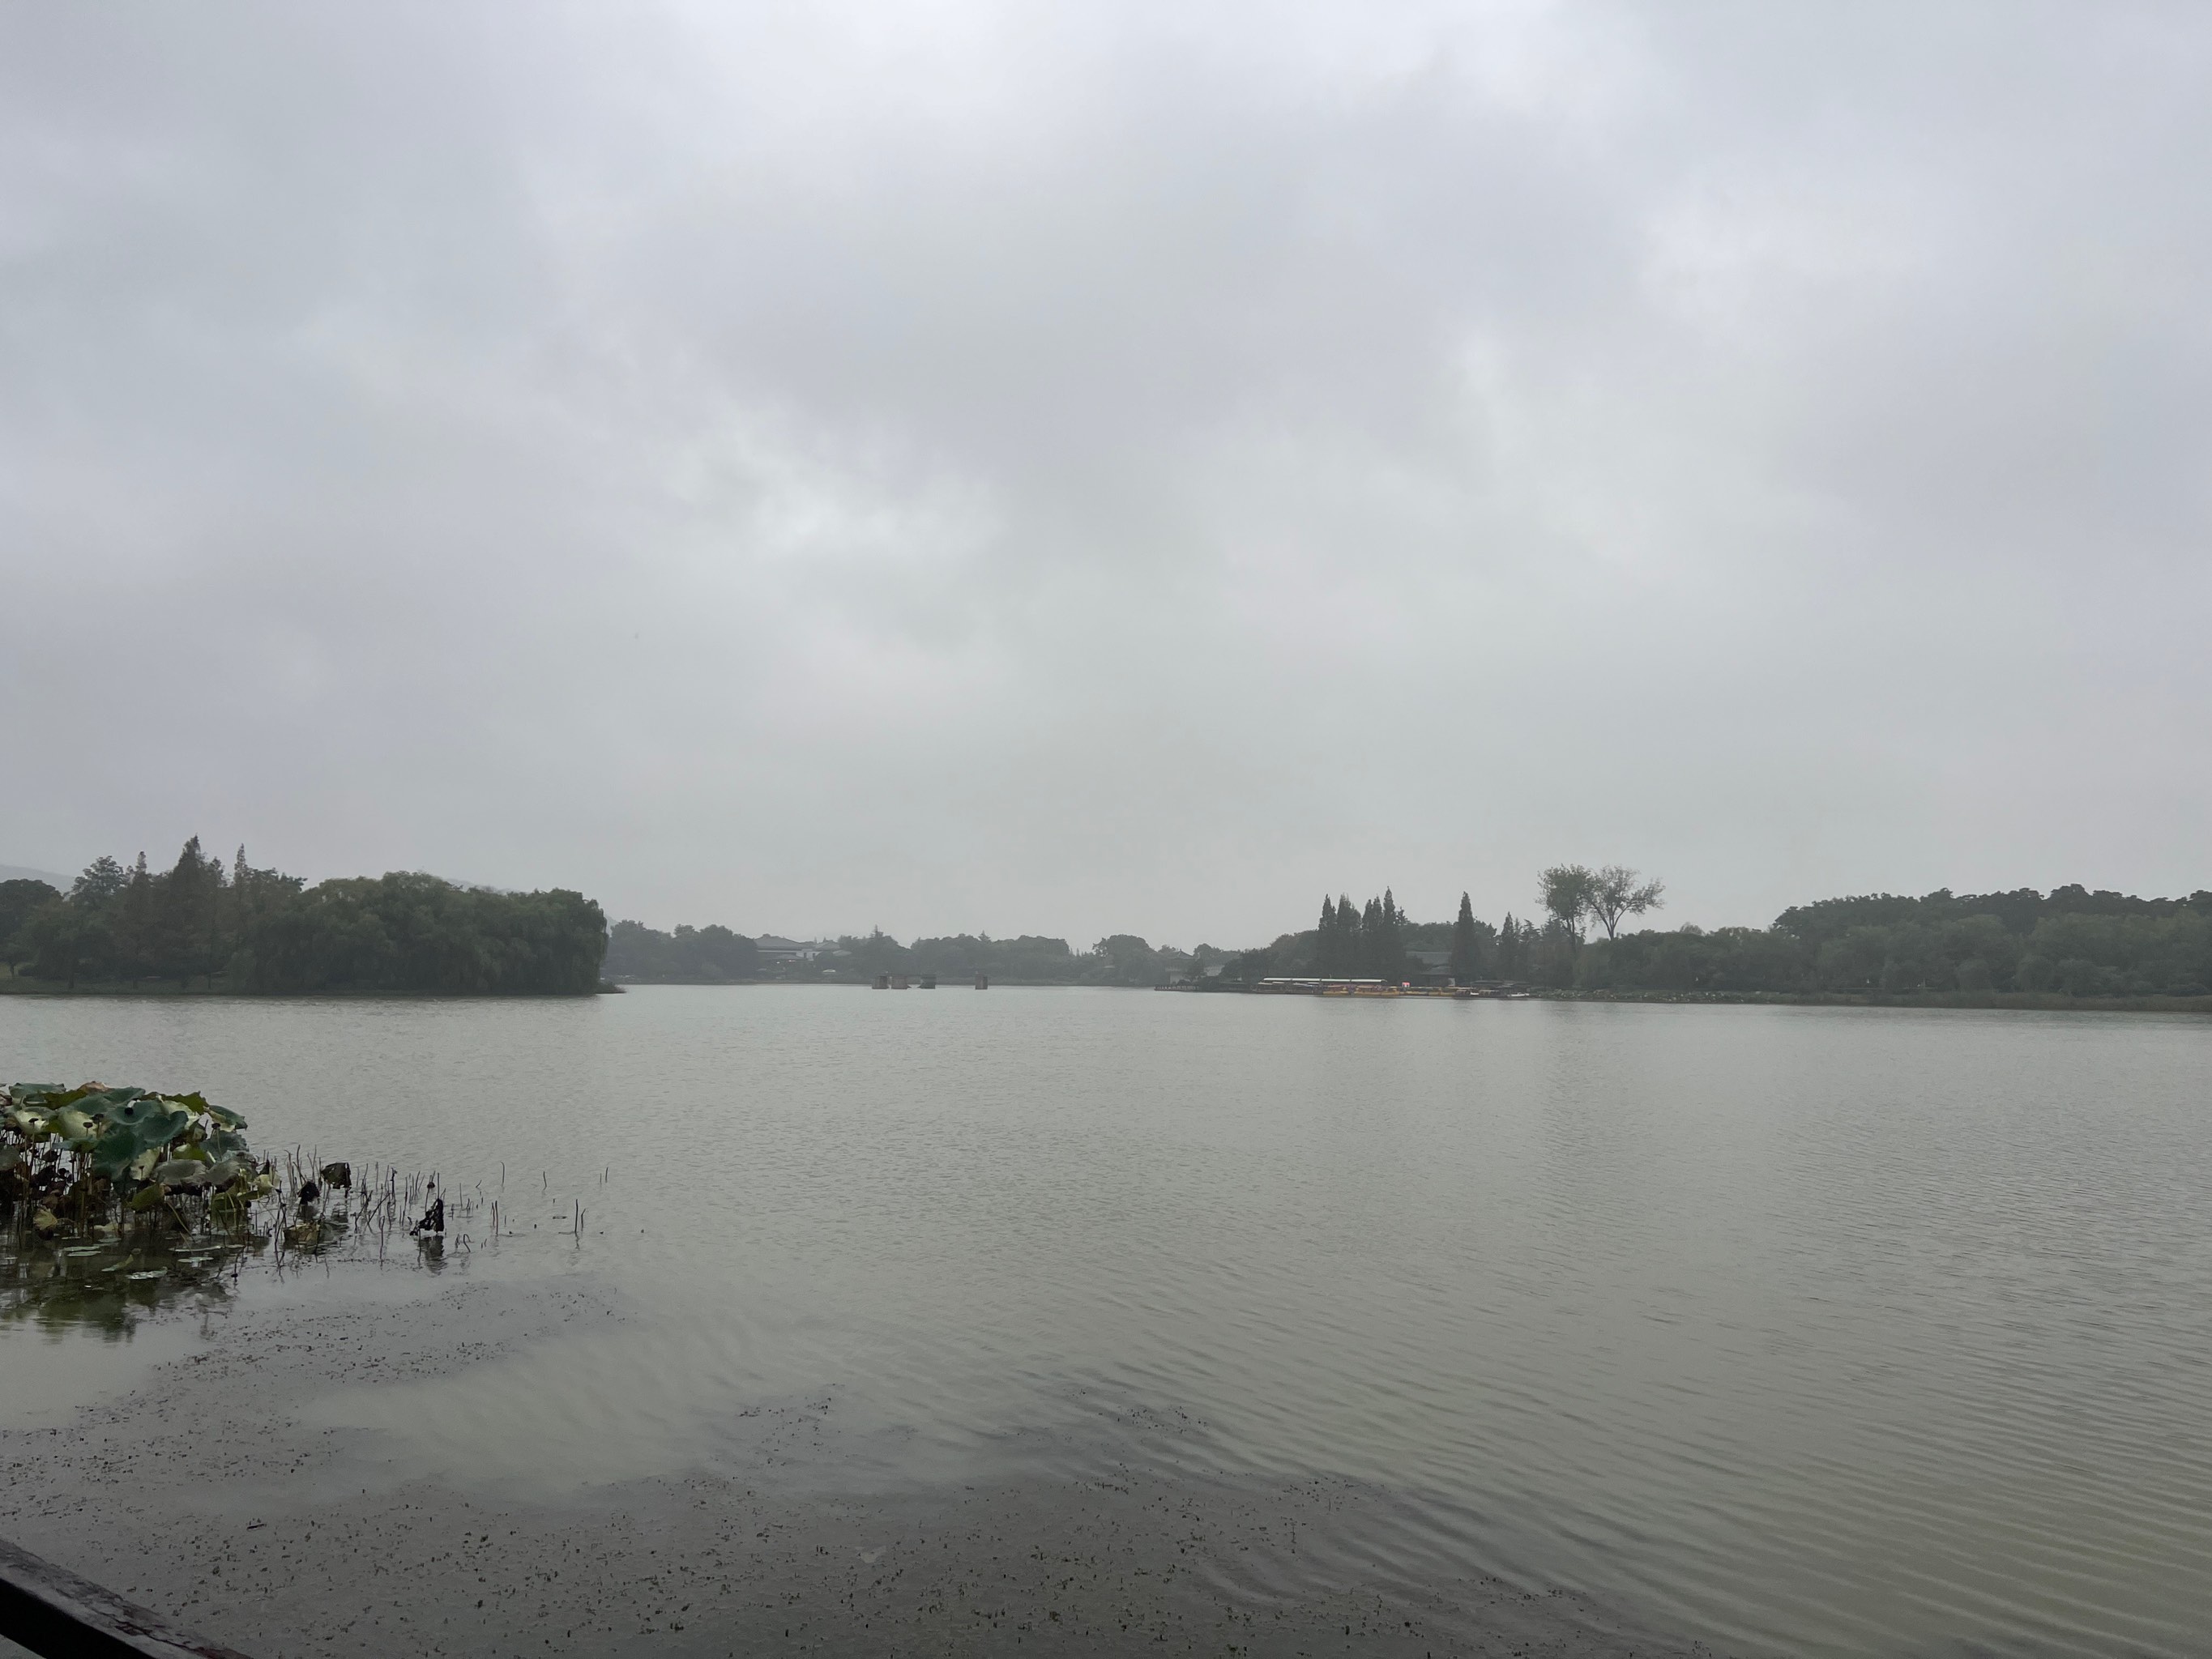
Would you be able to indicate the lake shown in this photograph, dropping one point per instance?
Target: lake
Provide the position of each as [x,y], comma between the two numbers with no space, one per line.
[1811,1330]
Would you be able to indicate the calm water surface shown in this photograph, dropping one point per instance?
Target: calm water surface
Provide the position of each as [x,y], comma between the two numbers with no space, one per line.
[1811,1330]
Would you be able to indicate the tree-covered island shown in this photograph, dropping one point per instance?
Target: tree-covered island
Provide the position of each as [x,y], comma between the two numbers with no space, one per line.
[201,925]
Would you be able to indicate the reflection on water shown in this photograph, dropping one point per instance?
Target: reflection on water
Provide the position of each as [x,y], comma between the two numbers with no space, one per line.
[110,1284]
[109,1277]
[1828,1331]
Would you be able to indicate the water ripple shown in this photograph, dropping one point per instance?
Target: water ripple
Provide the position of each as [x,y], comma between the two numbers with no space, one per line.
[1835,1332]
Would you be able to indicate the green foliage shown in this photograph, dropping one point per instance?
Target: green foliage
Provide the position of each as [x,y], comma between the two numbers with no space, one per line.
[1031,958]
[264,931]
[1382,939]
[406,932]
[74,1156]
[1290,953]
[19,901]
[118,1200]
[1356,943]
[1613,894]
[710,956]
[1126,959]
[1566,890]
[1466,944]
[1551,954]
[1035,957]
[1337,951]
[2072,941]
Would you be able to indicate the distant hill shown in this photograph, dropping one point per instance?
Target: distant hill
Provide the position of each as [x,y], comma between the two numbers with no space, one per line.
[21,872]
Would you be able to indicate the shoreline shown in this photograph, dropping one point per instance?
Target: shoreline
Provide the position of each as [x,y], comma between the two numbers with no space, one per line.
[20,987]
[256,1528]
[1991,1001]
[2054,1002]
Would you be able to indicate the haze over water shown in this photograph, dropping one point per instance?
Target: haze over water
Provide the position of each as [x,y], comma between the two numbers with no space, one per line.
[1833,1331]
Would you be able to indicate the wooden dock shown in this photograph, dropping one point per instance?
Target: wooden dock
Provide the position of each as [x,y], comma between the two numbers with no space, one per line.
[51,1610]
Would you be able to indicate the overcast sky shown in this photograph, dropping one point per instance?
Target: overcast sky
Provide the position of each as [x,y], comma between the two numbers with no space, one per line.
[1131,466]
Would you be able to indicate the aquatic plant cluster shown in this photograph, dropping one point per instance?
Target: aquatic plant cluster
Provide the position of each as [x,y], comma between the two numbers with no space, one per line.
[91,1158]
[117,1201]
[114,1201]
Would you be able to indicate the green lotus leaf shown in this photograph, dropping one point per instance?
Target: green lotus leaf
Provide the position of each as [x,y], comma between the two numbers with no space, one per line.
[197,1101]
[158,1130]
[9,1158]
[225,1142]
[126,1105]
[178,1170]
[101,1103]
[112,1154]
[147,1198]
[123,1142]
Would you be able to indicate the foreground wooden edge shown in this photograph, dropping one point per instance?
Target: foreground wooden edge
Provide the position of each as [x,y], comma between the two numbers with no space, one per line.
[51,1610]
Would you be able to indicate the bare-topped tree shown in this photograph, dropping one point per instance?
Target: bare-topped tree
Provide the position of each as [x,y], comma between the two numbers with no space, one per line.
[1615,894]
[1574,894]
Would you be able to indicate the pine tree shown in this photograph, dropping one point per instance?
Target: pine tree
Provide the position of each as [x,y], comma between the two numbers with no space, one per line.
[181,925]
[1390,954]
[1466,956]
[136,923]
[1325,943]
[241,901]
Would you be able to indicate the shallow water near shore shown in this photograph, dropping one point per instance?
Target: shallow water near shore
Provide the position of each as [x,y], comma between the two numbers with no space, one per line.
[1825,1331]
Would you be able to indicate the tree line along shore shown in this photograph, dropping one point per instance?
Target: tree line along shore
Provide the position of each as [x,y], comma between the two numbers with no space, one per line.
[2070,946]
[201,925]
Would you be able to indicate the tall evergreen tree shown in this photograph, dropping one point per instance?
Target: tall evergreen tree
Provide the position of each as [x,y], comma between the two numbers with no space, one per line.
[1388,955]
[241,898]
[184,916]
[1325,944]
[1340,954]
[134,929]
[1466,951]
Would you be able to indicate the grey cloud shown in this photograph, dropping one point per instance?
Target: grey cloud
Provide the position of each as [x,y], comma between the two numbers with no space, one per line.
[807,467]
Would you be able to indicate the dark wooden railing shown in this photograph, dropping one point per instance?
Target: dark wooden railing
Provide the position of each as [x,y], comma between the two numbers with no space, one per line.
[53,1612]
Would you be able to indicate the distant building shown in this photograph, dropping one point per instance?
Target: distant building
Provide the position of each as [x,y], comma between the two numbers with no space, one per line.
[774,949]
[1428,967]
